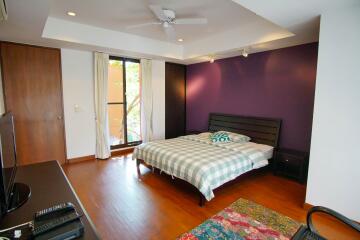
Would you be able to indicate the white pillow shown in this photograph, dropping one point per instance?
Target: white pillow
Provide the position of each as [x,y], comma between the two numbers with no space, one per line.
[236,137]
[204,134]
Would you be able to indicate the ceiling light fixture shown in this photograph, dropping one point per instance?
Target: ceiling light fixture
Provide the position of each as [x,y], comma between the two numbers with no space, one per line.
[71,14]
[212,60]
[244,53]
[180,40]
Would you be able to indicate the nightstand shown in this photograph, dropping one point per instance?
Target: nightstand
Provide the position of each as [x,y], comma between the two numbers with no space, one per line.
[291,163]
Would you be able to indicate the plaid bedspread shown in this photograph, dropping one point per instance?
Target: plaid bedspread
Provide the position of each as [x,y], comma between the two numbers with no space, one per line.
[200,162]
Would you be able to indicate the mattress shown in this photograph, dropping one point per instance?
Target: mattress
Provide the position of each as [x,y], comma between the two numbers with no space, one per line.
[202,163]
[267,150]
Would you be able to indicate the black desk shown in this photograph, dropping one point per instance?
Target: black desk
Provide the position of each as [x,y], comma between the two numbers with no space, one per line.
[49,186]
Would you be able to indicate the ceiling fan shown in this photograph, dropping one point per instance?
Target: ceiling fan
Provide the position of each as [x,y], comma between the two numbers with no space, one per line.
[167,18]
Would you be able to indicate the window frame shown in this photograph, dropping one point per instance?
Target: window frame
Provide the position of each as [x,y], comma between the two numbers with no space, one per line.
[124,103]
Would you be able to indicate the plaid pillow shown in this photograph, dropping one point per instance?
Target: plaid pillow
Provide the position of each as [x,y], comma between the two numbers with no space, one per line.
[220,137]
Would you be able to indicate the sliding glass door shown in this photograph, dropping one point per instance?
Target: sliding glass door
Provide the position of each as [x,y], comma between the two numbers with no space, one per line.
[124,102]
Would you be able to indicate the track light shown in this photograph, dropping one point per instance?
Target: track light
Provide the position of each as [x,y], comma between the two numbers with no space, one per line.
[244,53]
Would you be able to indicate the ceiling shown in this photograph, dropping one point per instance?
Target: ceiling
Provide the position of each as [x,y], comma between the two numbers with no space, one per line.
[101,26]
[117,15]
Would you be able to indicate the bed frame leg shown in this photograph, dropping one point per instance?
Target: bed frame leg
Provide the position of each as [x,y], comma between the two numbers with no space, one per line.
[201,200]
[138,168]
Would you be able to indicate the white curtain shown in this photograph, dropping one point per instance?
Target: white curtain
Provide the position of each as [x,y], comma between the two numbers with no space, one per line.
[146,100]
[101,112]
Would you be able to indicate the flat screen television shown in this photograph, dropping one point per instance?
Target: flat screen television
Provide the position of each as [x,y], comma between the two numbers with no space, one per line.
[7,159]
[12,194]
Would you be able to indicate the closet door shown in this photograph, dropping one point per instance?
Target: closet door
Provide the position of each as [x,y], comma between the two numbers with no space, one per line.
[175,83]
[33,93]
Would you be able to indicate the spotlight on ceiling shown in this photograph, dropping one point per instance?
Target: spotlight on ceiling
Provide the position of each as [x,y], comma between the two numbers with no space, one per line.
[72,14]
[244,53]
[212,60]
[180,40]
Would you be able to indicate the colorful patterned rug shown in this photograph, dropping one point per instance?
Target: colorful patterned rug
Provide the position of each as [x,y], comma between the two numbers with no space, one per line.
[244,220]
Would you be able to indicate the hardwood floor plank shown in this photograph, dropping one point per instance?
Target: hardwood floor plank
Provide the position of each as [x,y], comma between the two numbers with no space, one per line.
[158,207]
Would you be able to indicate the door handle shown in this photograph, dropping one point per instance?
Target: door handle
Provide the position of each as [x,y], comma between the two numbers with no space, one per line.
[59,117]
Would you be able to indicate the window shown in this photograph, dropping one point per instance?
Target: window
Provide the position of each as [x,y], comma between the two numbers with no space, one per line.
[124,102]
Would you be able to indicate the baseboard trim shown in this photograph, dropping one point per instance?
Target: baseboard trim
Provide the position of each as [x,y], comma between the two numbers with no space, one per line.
[81,159]
[123,151]
[307,206]
[118,152]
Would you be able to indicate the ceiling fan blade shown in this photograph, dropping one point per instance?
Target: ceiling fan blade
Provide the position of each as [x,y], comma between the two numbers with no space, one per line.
[143,25]
[158,11]
[170,32]
[190,21]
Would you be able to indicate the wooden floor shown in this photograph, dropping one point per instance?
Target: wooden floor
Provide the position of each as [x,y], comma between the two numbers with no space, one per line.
[122,207]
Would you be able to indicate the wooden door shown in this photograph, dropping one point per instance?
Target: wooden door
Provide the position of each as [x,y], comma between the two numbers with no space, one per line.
[175,83]
[33,93]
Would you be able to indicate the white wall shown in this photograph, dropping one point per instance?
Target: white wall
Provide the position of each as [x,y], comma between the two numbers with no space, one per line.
[158,82]
[334,171]
[78,89]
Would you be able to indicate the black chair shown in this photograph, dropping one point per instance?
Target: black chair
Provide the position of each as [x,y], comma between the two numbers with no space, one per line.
[309,232]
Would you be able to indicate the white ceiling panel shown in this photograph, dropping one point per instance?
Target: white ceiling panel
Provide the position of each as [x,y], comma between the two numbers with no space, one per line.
[256,25]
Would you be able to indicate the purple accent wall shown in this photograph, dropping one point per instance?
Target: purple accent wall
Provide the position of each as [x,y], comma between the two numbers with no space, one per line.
[278,83]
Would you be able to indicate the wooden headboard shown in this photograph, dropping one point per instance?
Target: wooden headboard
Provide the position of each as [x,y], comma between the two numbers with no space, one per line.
[261,130]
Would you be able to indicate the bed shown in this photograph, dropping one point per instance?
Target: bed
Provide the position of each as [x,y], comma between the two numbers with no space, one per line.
[207,165]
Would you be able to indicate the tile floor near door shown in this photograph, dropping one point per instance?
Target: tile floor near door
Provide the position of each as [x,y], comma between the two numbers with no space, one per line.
[122,207]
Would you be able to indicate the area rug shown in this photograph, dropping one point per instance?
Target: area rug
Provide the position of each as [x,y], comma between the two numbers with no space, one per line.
[244,220]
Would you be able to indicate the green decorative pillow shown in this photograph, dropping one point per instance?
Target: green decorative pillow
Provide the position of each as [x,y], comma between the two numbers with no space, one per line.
[220,137]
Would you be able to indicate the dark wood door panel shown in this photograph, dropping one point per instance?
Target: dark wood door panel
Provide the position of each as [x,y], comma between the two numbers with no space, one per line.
[33,92]
[175,83]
